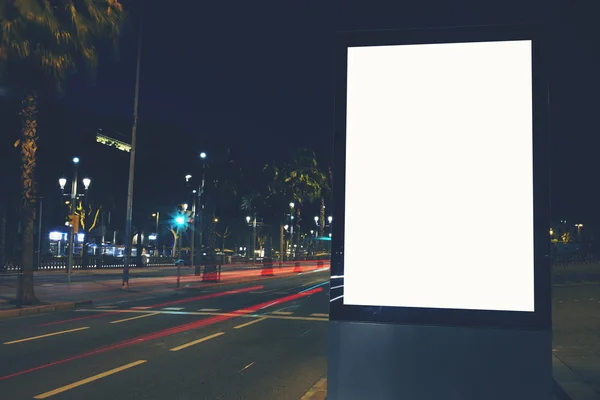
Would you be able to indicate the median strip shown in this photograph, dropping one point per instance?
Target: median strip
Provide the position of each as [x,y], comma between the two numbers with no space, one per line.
[46,335]
[88,380]
[204,339]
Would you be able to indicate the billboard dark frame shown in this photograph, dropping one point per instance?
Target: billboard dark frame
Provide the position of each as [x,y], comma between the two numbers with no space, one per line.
[540,318]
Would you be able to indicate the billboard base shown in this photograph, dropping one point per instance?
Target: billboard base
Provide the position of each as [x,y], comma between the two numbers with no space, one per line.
[392,362]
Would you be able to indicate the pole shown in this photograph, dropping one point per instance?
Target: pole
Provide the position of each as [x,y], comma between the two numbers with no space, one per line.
[254,240]
[157,216]
[156,240]
[72,232]
[179,257]
[281,243]
[193,234]
[39,255]
[129,214]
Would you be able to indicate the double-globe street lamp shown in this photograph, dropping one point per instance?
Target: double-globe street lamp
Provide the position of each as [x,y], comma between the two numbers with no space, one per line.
[73,218]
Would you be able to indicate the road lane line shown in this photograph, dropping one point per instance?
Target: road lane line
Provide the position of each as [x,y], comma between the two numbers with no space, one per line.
[209,309]
[174,308]
[140,308]
[282,313]
[246,367]
[88,380]
[46,335]
[246,314]
[249,323]
[106,307]
[130,300]
[204,339]
[63,321]
[132,318]
[320,315]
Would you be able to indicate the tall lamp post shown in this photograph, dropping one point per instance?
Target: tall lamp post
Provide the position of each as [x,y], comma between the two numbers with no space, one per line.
[196,215]
[72,226]
[129,213]
[293,251]
[157,215]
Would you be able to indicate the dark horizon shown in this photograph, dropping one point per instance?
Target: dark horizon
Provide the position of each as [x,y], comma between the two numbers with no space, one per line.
[264,85]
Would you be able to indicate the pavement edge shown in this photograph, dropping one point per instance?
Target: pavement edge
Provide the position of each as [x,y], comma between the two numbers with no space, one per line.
[26,311]
[568,385]
[317,392]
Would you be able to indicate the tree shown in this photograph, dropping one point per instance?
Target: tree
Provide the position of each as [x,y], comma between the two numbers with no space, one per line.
[88,218]
[223,235]
[41,43]
[304,180]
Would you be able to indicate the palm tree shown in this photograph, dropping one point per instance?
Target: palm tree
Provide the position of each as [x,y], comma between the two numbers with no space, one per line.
[304,180]
[41,43]
[88,218]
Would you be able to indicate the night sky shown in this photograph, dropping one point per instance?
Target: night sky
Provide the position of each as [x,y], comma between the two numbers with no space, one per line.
[258,76]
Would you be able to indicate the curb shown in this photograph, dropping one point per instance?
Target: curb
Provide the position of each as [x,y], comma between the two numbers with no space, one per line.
[569,385]
[26,311]
[317,392]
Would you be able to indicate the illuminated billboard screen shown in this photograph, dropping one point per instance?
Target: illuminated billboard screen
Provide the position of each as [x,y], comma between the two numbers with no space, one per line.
[439,204]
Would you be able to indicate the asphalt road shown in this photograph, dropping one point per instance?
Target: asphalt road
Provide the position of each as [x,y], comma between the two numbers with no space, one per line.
[259,340]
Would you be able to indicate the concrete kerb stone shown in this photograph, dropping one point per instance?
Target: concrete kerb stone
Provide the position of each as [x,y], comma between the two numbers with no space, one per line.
[21,312]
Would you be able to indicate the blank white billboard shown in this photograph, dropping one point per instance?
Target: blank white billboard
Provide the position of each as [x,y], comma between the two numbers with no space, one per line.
[439,176]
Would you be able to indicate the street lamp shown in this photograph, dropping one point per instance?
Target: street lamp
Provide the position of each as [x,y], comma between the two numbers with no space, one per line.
[62,182]
[157,215]
[579,226]
[188,177]
[86,183]
[330,218]
[196,215]
[316,220]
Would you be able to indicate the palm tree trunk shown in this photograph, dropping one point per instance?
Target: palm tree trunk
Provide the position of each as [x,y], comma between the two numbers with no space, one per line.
[28,158]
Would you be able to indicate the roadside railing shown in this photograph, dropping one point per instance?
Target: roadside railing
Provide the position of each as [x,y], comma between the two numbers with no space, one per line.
[91,262]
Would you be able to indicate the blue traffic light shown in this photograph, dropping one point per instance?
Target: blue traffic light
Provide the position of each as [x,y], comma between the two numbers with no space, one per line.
[179,220]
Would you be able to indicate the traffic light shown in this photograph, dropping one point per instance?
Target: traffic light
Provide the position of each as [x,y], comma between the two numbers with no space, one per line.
[74,222]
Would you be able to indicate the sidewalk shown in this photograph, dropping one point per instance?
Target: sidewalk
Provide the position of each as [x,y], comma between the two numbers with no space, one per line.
[318,391]
[576,343]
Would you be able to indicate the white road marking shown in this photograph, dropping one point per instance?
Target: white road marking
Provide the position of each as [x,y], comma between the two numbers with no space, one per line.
[173,308]
[140,308]
[282,313]
[106,307]
[209,309]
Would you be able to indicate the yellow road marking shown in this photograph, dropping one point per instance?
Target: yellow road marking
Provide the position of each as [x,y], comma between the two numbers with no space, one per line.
[132,318]
[251,314]
[46,335]
[204,339]
[249,323]
[88,380]
[320,315]
[282,313]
